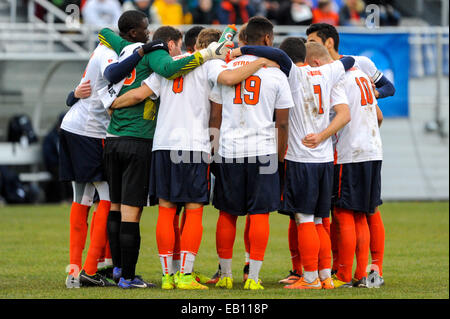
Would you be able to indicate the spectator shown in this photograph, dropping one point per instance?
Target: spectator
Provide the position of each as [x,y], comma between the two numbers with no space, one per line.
[170,12]
[204,13]
[234,12]
[324,13]
[101,13]
[295,12]
[145,6]
[352,13]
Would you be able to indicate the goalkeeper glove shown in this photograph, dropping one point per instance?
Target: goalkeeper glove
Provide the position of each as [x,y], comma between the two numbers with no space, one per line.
[216,50]
[154,45]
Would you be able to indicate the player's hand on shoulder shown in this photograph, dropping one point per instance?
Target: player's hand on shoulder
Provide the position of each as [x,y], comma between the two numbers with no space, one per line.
[155,45]
[83,90]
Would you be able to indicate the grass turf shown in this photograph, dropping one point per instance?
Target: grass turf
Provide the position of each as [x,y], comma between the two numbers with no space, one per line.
[34,252]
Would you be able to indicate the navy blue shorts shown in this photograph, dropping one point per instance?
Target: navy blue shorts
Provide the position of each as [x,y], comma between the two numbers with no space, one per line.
[282,177]
[308,188]
[247,185]
[357,186]
[80,158]
[184,182]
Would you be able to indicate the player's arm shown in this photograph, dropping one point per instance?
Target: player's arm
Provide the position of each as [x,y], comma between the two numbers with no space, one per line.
[235,76]
[113,41]
[81,92]
[379,116]
[274,54]
[215,121]
[348,62]
[132,97]
[282,126]
[340,120]
[384,87]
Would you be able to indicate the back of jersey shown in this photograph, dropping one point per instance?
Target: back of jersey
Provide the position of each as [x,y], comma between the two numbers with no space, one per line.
[359,140]
[315,91]
[88,117]
[247,127]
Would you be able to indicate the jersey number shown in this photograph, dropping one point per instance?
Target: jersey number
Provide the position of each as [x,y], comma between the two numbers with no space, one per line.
[252,85]
[177,86]
[130,79]
[366,92]
[318,91]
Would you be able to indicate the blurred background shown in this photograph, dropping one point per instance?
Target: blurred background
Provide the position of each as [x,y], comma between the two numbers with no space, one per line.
[45,45]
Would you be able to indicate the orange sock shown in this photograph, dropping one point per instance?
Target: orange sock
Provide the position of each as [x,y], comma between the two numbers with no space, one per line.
[362,245]
[326,224]
[334,237]
[165,234]
[107,251]
[78,233]
[92,224]
[192,234]
[377,237]
[258,235]
[183,220]
[309,246]
[293,247]
[98,239]
[176,246]
[225,235]
[325,248]
[347,242]
[246,237]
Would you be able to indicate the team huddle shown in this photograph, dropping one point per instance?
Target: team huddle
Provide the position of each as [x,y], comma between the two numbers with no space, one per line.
[293,130]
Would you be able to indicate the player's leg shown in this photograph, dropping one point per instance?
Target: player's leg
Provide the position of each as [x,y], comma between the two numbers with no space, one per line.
[225,236]
[113,231]
[362,249]
[334,237]
[347,246]
[324,255]
[297,269]
[259,237]
[176,246]
[247,247]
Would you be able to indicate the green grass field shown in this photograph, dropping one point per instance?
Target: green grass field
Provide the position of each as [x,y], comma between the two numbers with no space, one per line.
[34,252]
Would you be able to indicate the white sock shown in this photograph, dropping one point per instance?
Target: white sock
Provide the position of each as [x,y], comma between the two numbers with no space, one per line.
[247,257]
[187,262]
[255,267]
[310,276]
[225,267]
[175,265]
[166,263]
[324,274]
[108,262]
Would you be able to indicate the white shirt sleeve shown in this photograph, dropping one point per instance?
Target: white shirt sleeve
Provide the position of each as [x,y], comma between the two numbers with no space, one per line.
[216,94]
[108,57]
[338,95]
[337,71]
[294,78]
[154,83]
[284,96]
[368,67]
[213,69]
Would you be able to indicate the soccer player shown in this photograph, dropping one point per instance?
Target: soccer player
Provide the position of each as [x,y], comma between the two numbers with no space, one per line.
[82,134]
[185,182]
[129,143]
[327,35]
[246,177]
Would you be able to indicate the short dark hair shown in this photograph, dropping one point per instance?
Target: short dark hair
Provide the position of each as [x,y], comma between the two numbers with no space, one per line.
[166,34]
[294,48]
[130,19]
[257,28]
[190,37]
[325,31]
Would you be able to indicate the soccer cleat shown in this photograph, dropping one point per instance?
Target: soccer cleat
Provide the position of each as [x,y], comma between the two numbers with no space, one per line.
[168,282]
[95,280]
[107,272]
[291,278]
[137,282]
[250,284]
[245,272]
[225,282]
[117,273]
[214,279]
[303,284]
[328,283]
[188,282]
[362,283]
[340,284]
[72,282]
[200,277]
[374,280]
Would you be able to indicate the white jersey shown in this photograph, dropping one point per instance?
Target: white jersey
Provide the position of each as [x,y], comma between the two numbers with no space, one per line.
[248,108]
[359,140]
[315,92]
[183,114]
[87,116]
[368,67]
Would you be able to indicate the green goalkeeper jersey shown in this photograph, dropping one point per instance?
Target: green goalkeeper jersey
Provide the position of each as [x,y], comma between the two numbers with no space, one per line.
[140,120]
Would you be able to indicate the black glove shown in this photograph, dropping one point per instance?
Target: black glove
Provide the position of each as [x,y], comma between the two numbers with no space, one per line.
[155,45]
